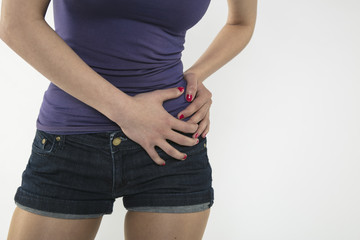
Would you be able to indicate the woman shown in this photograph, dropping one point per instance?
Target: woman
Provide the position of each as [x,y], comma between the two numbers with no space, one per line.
[116,120]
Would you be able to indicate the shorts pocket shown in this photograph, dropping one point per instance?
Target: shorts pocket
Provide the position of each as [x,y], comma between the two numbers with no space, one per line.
[44,143]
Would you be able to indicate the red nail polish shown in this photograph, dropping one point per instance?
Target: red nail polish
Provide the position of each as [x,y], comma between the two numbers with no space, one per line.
[196,135]
[197,141]
[163,164]
[181,116]
[185,157]
[189,97]
[180,89]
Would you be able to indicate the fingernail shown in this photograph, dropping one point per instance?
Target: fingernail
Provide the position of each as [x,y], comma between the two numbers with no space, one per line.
[196,135]
[205,135]
[185,157]
[163,164]
[197,141]
[189,97]
[181,116]
[180,89]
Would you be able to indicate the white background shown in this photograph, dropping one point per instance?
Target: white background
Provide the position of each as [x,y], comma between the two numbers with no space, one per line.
[285,125]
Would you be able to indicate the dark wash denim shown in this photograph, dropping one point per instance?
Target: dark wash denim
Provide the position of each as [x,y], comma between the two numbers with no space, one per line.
[85,173]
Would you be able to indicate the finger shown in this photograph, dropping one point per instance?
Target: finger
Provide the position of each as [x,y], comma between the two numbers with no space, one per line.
[181,139]
[200,114]
[206,131]
[192,108]
[183,126]
[203,125]
[198,103]
[191,86]
[155,156]
[171,151]
[169,93]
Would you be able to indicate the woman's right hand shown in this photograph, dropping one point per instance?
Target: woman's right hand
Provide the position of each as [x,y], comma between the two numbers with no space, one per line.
[149,124]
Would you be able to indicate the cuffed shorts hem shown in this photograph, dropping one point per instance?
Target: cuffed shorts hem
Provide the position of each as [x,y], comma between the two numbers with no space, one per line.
[62,208]
[58,215]
[173,209]
[170,203]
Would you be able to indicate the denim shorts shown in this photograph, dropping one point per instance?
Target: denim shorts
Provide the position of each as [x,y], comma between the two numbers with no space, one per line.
[76,176]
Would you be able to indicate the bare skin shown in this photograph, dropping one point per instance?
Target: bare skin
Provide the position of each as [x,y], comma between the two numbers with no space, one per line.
[23,28]
[138,225]
[165,226]
[29,226]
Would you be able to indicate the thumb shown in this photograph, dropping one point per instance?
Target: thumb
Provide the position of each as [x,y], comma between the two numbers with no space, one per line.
[191,86]
[169,93]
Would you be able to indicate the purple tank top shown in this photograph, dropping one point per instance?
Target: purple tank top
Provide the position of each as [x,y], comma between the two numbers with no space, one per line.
[134,44]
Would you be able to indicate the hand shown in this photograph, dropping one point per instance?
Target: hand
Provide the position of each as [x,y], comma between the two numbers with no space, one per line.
[149,124]
[199,105]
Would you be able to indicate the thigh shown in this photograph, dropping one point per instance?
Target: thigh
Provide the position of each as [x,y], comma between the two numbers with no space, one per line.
[29,226]
[165,226]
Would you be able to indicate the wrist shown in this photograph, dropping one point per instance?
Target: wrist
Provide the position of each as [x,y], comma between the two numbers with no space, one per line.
[198,76]
[119,108]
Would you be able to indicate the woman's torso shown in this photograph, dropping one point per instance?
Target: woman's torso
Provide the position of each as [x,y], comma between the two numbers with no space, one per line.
[136,45]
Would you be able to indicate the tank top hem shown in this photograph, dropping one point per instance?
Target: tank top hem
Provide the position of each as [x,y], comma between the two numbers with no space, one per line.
[66,130]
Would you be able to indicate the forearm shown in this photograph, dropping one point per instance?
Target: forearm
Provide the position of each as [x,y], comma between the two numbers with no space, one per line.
[39,45]
[228,43]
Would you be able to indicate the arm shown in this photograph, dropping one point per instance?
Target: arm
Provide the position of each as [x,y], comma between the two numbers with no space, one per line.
[24,30]
[229,42]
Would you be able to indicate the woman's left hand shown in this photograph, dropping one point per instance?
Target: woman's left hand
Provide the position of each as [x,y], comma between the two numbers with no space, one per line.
[200,98]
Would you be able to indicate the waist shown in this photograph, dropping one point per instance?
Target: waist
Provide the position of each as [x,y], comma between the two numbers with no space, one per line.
[61,112]
[145,80]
